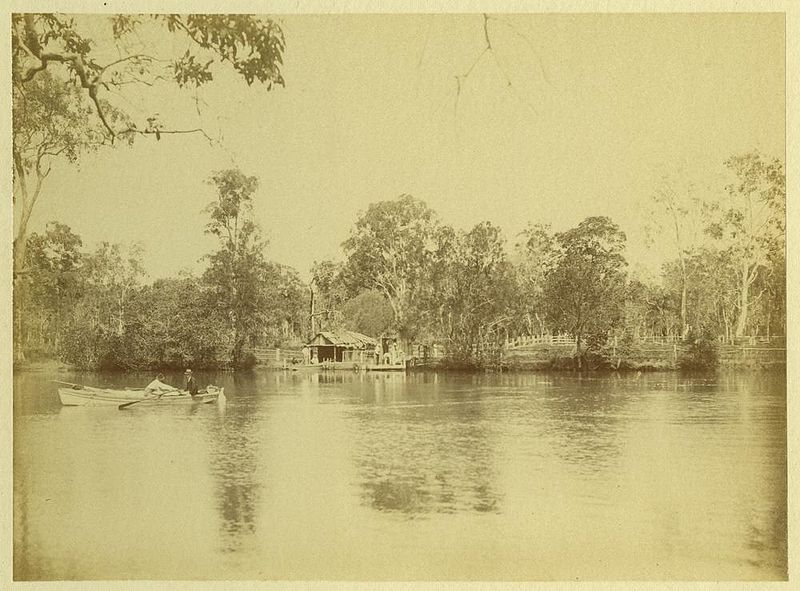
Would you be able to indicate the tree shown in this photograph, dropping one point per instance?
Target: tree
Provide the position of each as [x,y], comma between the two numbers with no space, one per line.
[368,313]
[476,296]
[252,46]
[390,250]
[174,323]
[238,273]
[53,284]
[286,301]
[650,310]
[584,291]
[95,334]
[677,198]
[533,253]
[328,292]
[768,308]
[66,101]
[712,295]
[750,223]
[48,122]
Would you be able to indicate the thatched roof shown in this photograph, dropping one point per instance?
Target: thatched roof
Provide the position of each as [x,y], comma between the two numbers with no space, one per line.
[344,338]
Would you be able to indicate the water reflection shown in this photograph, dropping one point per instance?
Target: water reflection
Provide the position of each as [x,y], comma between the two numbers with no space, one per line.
[234,463]
[336,475]
[583,420]
[424,450]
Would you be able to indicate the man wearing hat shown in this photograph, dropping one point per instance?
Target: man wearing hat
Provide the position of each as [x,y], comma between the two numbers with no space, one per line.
[191,384]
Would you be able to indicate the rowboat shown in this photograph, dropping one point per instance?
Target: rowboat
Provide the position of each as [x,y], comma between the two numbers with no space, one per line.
[211,394]
[88,396]
[79,395]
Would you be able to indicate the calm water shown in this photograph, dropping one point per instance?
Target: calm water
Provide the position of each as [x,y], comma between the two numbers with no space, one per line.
[369,476]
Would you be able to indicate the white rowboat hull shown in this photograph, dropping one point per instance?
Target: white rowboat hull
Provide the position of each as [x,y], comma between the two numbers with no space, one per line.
[171,399]
[97,396]
[105,397]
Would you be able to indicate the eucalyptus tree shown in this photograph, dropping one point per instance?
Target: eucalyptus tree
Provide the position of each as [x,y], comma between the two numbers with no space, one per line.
[584,291]
[238,273]
[533,255]
[64,85]
[97,327]
[750,223]
[676,218]
[477,296]
[54,261]
[73,78]
[391,249]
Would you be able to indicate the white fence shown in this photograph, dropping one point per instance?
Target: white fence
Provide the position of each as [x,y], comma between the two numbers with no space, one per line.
[562,339]
[536,339]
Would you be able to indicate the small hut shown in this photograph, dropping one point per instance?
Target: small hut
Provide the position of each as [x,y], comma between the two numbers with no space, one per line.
[342,346]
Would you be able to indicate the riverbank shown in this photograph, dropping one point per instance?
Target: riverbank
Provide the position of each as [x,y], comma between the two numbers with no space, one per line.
[647,357]
[40,365]
[554,358]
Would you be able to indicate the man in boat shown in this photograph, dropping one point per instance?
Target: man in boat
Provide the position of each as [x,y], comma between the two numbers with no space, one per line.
[157,387]
[191,384]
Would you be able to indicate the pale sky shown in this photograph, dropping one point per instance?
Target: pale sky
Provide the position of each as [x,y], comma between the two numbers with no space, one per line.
[597,109]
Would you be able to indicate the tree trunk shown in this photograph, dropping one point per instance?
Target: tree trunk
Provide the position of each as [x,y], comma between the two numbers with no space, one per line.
[744,296]
[25,200]
[19,352]
[18,282]
[578,349]
[684,312]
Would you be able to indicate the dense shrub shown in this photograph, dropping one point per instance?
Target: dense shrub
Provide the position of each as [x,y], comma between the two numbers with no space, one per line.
[700,351]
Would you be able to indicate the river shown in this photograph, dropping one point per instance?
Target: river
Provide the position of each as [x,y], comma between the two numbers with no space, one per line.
[343,476]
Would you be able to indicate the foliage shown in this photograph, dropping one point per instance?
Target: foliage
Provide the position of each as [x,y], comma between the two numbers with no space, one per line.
[651,309]
[476,296]
[285,315]
[712,295]
[53,285]
[62,94]
[169,324]
[584,291]
[676,217]
[42,43]
[174,324]
[95,333]
[92,310]
[749,224]
[390,250]
[701,351]
[534,257]
[237,273]
[330,292]
[368,313]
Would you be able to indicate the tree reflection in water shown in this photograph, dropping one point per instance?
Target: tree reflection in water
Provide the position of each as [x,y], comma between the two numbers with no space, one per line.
[425,450]
[234,464]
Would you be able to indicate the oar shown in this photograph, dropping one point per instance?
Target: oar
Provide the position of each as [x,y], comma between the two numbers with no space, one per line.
[127,404]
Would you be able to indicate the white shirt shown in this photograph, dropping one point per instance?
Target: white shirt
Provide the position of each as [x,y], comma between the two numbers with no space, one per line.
[158,386]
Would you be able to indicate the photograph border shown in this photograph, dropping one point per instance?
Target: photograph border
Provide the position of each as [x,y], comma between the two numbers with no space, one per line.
[792,12]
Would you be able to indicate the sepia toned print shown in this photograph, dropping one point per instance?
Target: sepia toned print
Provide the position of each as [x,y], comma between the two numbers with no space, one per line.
[399,297]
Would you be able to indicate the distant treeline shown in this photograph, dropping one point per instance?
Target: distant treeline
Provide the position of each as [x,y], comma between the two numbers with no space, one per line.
[405,271]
